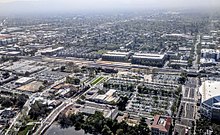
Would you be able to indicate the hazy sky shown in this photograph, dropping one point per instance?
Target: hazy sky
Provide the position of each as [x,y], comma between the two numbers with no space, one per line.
[26,6]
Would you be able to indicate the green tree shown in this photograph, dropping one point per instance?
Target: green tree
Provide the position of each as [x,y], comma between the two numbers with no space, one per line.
[119,132]
[122,103]
[7,103]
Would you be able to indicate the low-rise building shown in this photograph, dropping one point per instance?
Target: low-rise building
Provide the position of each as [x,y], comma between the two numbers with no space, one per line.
[50,51]
[210,53]
[178,63]
[161,125]
[207,62]
[108,97]
[23,80]
[207,38]
[116,56]
[149,59]
[7,39]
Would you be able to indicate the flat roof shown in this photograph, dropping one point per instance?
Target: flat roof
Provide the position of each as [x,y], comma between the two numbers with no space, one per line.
[207,37]
[23,80]
[177,35]
[205,60]
[3,36]
[209,89]
[51,49]
[209,51]
[118,53]
[149,55]
[100,97]
[114,53]
[110,92]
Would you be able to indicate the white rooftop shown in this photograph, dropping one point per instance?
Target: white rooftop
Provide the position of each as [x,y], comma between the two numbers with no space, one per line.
[204,60]
[207,37]
[51,49]
[177,35]
[122,53]
[110,92]
[209,89]
[100,97]
[209,51]
[23,80]
[148,55]
[114,53]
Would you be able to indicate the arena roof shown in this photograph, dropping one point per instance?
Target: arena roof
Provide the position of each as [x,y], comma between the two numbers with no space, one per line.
[209,89]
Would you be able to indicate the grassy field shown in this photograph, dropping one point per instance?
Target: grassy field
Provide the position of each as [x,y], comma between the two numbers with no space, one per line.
[97,80]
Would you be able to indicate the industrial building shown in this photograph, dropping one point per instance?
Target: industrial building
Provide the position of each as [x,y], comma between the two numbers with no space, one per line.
[148,59]
[210,99]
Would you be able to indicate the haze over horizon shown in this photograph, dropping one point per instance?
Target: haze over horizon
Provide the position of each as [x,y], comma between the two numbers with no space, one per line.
[50,6]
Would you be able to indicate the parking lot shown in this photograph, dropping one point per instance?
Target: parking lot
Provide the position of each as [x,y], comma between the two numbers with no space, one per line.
[166,78]
[49,76]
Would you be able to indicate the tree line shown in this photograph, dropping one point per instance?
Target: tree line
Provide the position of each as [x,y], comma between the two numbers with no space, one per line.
[98,124]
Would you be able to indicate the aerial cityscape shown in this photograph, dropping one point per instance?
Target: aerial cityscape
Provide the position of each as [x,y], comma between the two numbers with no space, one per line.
[125,71]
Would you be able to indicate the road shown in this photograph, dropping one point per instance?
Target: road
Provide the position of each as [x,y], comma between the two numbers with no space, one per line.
[195,62]
[28,104]
[55,113]
[188,105]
